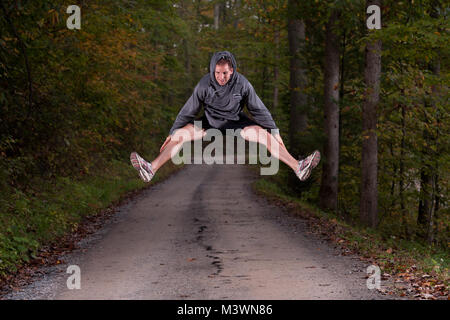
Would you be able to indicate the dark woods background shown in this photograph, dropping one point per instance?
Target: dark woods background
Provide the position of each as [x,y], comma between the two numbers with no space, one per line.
[73,102]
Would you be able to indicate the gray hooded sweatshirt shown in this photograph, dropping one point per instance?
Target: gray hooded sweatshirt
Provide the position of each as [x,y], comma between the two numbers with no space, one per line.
[222,103]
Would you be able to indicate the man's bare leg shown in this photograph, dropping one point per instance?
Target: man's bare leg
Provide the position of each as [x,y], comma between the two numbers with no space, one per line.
[260,135]
[182,135]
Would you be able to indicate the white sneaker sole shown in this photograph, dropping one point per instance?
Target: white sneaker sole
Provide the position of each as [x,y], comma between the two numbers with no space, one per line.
[142,172]
[307,171]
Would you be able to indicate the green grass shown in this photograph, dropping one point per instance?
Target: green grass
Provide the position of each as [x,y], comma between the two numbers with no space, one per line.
[51,209]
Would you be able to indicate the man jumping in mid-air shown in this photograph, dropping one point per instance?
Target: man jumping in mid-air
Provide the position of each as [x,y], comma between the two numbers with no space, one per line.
[223,93]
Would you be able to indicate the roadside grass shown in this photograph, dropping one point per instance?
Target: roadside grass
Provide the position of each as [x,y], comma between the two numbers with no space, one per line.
[49,210]
[410,260]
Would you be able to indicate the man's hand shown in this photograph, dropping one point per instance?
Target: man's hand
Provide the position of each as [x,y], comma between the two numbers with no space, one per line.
[168,139]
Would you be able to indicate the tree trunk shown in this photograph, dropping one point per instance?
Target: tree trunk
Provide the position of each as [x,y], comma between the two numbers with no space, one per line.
[223,13]
[344,44]
[237,5]
[276,71]
[216,15]
[265,77]
[369,158]
[297,81]
[424,202]
[402,169]
[187,66]
[429,200]
[436,69]
[329,186]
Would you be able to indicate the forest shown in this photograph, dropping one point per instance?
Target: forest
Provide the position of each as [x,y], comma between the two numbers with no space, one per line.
[375,102]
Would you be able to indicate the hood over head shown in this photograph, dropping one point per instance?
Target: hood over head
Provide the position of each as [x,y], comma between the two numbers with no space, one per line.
[212,66]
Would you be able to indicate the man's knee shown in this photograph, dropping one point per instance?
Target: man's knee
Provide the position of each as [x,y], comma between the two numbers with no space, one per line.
[188,133]
[254,134]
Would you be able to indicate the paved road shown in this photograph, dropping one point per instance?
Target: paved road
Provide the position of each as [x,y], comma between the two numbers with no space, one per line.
[203,234]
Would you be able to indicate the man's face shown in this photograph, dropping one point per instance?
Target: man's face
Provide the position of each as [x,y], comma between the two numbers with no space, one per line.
[223,74]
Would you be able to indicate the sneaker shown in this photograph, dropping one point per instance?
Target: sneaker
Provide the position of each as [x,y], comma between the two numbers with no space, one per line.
[143,167]
[306,165]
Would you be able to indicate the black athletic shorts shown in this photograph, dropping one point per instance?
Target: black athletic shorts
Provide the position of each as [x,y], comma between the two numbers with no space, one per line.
[244,121]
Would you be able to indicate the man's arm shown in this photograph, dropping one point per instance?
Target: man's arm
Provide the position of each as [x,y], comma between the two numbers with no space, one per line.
[259,111]
[190,109]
